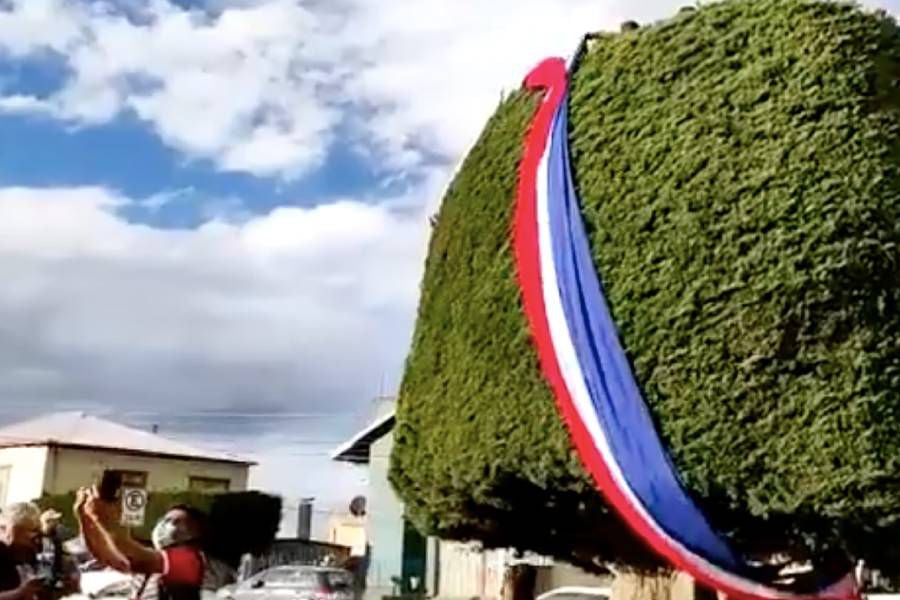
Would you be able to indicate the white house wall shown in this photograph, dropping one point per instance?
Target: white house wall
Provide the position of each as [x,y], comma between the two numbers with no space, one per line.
[384,522]
[70,468]
[26,469]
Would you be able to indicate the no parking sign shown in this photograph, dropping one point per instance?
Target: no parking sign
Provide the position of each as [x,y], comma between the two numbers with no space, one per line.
[134,506]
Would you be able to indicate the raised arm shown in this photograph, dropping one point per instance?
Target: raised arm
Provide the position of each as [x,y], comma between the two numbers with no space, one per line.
[108,541]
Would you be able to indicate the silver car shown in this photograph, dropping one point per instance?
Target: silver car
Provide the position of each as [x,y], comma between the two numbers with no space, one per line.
[295,583]
[577,593]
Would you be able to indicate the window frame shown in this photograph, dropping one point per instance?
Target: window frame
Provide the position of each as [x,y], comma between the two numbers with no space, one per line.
[132,479]
[209,485]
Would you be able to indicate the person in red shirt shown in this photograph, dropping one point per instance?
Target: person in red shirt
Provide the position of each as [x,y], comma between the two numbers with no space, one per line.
[172,570]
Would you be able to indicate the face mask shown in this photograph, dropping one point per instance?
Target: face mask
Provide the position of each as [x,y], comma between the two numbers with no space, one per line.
[166,534]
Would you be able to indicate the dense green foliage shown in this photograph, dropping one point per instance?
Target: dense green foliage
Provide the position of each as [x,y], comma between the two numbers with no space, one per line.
[738,169]
[238,522]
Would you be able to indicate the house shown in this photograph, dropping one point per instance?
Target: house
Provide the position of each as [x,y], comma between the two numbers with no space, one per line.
[396,552]
[348,530]
[61,452]
[401,560]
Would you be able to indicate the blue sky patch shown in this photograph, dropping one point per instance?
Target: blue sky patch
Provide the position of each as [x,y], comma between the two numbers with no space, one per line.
[38,75]
[125,156]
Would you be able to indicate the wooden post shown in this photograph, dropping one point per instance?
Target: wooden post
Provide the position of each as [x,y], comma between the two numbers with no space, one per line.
[519,582]
[631,584]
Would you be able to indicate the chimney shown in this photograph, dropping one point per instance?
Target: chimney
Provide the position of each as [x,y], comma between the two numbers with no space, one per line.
[304,518]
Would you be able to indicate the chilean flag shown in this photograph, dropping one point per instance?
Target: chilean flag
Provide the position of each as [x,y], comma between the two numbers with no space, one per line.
[584,363]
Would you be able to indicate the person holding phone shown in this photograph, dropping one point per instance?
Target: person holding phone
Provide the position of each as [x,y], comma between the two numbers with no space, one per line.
[20,537]
[54,561]
[174,569]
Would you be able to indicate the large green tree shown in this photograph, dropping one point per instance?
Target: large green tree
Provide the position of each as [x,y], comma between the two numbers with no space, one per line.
[738,169]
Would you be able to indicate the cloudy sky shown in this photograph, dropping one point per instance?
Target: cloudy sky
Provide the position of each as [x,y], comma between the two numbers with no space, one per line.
[220,206]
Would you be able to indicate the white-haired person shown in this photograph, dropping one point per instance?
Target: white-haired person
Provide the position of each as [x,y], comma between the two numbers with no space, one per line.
[20,539]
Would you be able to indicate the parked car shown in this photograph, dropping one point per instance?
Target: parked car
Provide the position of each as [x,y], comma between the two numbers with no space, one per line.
[293,583]
[577,593]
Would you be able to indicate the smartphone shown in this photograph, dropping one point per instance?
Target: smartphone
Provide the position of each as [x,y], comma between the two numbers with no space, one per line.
[43,570]
[110,484]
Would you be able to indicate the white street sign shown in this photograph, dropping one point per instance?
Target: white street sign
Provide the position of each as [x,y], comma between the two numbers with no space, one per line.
[134,506]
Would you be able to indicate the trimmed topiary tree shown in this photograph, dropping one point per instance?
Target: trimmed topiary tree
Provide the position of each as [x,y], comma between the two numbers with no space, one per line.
[739,171]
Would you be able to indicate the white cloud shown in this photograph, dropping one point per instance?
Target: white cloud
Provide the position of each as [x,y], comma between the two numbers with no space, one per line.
[434,70]
[241,88]
[37,25]
[262,86]
[302,310]
[19,103]
[301,307]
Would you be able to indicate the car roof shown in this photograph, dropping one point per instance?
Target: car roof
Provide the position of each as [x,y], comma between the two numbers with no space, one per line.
[574,589]
[310,568]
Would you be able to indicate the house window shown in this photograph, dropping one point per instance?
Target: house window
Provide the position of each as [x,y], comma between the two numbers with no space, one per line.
[133,479]
[5,471]
[211,485]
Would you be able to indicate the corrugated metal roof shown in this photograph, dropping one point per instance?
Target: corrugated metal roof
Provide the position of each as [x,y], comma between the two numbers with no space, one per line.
[356,450]
[76,429]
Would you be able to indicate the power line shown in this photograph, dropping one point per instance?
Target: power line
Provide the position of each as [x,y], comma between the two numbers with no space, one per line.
[202,414]
[323,453]
[245,415]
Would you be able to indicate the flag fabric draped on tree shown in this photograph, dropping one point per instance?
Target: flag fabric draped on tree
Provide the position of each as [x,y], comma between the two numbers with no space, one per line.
[585,364]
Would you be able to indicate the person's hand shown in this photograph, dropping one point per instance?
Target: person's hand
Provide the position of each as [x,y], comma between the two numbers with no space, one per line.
[31,588]
[81,498]
[105,513]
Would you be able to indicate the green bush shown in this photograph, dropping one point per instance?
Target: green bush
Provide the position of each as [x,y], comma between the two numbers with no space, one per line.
[738,168]
[157,505]
[238,522]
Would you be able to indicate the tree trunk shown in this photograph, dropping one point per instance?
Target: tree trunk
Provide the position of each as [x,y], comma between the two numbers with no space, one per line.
[704,593]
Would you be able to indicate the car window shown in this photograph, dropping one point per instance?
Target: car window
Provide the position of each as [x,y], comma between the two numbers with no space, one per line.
[338,580]
[303,579]
[279,576]
[267,578]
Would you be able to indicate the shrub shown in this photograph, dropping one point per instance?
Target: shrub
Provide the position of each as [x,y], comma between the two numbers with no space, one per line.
[738,170]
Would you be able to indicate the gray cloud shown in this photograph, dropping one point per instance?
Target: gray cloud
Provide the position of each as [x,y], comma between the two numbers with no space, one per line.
[301,310]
